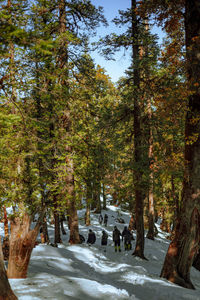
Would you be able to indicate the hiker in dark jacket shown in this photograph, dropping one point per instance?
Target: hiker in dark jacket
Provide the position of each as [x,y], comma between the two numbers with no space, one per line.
[82,239]
[116,238]
[100,219]
[91,237]
[105,219]
[104,238]
[127,237]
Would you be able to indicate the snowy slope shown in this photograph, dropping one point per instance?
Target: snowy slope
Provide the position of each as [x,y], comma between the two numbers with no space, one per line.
[88,272]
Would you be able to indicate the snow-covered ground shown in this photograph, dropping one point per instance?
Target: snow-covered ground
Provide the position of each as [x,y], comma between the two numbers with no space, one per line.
[84,272]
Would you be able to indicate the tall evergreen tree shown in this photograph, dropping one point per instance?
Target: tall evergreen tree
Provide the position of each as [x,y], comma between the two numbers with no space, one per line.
[136,38]
[185,244]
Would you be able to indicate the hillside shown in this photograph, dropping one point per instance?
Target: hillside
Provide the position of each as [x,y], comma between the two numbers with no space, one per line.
[85,272]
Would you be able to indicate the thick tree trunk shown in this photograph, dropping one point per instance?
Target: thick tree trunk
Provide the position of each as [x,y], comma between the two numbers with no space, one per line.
[196,262]
[6,292]
[57,237]
[62,63]
[138,157]
[71,200]
[73,221]
[22,242]
[185,243]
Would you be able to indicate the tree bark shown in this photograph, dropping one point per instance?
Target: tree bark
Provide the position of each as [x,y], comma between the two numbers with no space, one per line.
[62,219]
[139,198]
[97,192]
[150,234]
[88,203]
[57,237]
[71,200]
[45,230]
[132,223]
[165,225]
[5,246]
[63,80]
[5,221]
[6,292]
[104,196]
[22,242]
[114,198]
[185,243]
[87,216]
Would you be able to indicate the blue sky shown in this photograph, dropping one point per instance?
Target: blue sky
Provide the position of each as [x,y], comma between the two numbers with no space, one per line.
[115,69]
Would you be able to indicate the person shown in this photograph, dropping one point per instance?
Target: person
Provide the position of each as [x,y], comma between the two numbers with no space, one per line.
[91,237]
[104,238]
[100,219]
[127,237]
[82,239]
[116,238]
[105,219]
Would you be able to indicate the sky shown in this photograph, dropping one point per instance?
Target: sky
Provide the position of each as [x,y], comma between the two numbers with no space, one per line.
[115,69]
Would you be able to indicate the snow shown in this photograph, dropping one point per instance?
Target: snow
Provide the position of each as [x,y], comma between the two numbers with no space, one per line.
[94,272]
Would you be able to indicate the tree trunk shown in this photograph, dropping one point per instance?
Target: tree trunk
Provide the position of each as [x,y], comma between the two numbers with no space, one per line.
[196,262]
[138,158]
[5,246]
[165,225]
[88,202]
[22,242]
[150,234]
[176,207]
[6,292]
[132,223]
[185,243]
[62,219]
[104,196]
[87,216]
[45,230]
[146,213]
[5,221]
[71,200]
[62,63]
[98,197]
[114,198]
[57,237]
[73,221]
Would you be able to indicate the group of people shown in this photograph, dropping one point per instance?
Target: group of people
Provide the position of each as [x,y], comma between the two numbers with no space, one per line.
[92,238]
[103,220]
[126,236]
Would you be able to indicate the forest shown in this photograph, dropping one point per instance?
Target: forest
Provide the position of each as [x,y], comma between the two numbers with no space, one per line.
[71,139]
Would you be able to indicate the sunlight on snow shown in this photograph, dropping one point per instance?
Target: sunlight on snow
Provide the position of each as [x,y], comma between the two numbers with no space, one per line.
[98,290]
[93,260]
[140,279]
[60,262]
